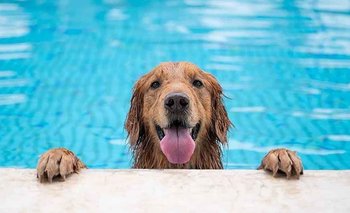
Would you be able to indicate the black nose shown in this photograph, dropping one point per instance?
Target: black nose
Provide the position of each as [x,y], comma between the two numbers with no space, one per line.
[176,102]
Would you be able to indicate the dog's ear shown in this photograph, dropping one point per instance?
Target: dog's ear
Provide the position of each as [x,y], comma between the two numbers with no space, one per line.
[221,122]
[133,123]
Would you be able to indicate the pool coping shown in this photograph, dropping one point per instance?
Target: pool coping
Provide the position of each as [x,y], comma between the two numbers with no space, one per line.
[101,190]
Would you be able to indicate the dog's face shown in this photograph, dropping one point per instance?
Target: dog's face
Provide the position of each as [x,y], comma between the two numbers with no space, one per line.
[178,106]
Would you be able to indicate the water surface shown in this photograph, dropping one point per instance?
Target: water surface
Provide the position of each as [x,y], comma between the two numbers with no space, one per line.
[67,69]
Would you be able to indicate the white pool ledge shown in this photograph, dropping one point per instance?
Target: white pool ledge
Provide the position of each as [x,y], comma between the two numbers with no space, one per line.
[175,191]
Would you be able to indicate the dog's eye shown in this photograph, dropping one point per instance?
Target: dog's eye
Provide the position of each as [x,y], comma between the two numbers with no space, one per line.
[155,85]
[197,83]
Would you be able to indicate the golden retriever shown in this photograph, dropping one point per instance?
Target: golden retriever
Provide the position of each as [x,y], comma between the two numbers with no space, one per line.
[177,120]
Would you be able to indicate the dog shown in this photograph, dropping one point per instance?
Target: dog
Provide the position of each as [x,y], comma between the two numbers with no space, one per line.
[176,120]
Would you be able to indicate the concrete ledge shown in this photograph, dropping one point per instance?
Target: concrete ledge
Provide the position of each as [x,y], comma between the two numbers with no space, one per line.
[175,191]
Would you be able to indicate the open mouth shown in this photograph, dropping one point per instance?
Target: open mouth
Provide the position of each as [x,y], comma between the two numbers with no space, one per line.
[177,141]
[177,124]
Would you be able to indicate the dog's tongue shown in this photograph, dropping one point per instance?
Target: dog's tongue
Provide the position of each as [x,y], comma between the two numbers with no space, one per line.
[177,145]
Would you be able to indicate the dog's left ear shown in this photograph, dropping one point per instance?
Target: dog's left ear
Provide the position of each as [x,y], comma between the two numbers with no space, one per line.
[220,119]
[133,123]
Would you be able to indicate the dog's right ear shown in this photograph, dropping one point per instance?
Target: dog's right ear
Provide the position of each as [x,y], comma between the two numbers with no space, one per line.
[220,119]
[133,123]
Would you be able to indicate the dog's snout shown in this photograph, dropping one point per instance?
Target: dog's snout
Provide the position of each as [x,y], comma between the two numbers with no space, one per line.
[176,102]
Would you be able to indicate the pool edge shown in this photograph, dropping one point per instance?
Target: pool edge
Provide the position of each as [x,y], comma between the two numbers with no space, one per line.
[175,190]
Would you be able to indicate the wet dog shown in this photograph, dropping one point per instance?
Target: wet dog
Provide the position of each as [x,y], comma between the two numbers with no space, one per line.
[177,120]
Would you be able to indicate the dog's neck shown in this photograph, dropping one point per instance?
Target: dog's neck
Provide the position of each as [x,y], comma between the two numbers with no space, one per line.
[147,155]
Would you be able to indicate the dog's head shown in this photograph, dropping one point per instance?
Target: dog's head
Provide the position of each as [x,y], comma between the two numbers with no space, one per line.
[178,107]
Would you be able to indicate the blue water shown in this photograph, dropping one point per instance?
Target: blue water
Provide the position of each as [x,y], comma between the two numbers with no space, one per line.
[67,69]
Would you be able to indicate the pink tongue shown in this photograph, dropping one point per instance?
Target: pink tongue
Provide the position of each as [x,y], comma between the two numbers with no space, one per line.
[177,145]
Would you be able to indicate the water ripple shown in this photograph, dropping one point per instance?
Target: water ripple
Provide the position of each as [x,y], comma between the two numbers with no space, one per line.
[13,22]
[248,109]
[7,73]
[12,99]
[342,138]
[14,83]
[324,114]
[238,145]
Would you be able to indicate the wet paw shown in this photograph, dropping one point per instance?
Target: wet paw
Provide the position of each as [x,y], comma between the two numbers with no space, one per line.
[59,162]
[283,160]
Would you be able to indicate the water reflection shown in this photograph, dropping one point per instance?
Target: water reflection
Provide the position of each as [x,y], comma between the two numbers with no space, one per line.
[13,21]
[14,24]
[12,99]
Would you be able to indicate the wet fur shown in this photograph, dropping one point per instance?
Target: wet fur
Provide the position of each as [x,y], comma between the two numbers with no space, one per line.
[143,139]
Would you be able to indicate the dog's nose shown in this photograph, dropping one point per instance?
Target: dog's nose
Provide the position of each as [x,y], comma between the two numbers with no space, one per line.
[176,102]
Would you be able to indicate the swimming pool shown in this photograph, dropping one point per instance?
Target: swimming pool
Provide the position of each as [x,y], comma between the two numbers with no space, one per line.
[67,69]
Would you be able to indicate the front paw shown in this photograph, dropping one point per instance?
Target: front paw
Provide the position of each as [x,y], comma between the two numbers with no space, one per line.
[58,162]
[283,160]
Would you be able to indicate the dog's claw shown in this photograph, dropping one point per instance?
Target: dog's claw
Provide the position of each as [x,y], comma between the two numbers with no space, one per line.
[58,162]
[283,160]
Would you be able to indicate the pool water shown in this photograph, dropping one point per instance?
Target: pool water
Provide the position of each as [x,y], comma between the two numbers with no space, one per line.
[67,69]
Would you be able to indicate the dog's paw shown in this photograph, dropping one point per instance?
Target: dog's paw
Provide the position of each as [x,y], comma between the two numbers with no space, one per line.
[283,160]
[58,162]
